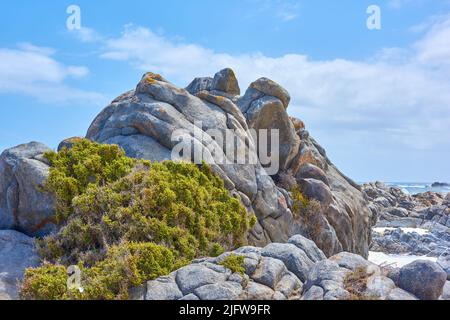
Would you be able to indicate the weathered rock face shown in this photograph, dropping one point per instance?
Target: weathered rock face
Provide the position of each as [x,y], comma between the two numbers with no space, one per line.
[143,122]
[23,205]
[17,253]
[346,218]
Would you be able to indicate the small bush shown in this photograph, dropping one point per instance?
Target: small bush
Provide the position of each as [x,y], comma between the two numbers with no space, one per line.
[235,263]
[73,170]
[48,282]
[356,284]
[309,212]
[126,221]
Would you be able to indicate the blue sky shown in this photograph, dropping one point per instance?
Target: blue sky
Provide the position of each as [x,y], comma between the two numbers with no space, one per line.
[377,100]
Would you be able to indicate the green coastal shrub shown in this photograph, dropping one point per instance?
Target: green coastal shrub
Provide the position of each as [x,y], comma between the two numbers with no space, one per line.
[73,170]
[235,263]
[126,221]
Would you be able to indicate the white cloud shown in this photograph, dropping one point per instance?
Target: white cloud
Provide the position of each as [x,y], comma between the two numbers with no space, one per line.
[87,35]
[284,10]
[434,47]
[400,95]
[33,71]
[398,4]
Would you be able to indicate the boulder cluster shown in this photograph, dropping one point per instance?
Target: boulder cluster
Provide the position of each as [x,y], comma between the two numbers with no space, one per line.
[143,120]
[297,270]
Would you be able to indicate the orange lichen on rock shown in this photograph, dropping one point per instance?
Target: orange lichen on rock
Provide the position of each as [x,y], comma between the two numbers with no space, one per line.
[298,124]
[151,77]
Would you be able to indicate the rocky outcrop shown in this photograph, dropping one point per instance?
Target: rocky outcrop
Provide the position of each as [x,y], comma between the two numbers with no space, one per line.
[296,270]
[23,204]
[276,272]
[415,242]
[17,253]
[417,224]
[144,122]
[347,276]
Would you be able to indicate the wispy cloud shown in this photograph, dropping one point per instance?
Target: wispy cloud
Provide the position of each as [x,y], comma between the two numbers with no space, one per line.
[33,71]
[283,10]
[398,4]
[87,35]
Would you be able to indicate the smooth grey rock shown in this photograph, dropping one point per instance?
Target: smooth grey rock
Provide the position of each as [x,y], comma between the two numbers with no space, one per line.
[350,261]
[398,212]
[192,277]
[314,293]
[268,113]
[310,171]
[256,291]
[308,247]
[424,279]
[295,259]
[17,252]
[200,84]
[163,288]
[379,286]
[23,204]
[394,275]
[219,291]
[269,272]
[315,189]
[289,285]
[338,294]
[141,147]
[399,294]
[271,88]
[325,270]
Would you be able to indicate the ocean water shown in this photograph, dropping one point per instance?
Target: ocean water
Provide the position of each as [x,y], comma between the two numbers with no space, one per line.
[417,187]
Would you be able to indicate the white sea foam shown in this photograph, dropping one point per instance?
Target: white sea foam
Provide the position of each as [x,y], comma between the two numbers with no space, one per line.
[419,231]
[395,260]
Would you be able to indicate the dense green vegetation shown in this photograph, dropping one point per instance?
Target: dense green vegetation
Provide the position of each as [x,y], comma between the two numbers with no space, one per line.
[124,221]
[235,263]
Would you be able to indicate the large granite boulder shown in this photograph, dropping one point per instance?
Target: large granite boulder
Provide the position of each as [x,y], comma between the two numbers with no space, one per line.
[425,279]
[17,253]
[23,204]
[157,119]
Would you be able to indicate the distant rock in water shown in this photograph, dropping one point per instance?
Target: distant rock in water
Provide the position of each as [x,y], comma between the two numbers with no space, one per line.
[142,122]
[440,184]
